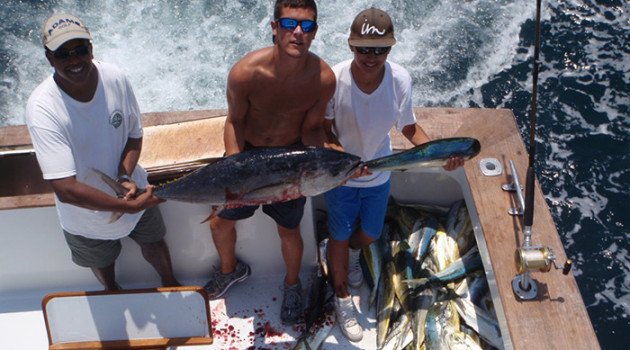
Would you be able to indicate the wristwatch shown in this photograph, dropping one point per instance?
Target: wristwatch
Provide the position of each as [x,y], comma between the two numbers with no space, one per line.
[123,177]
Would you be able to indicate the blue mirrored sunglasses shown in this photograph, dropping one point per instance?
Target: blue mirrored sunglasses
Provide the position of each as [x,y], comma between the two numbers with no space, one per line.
[63,54]
[290,24]
[377,50]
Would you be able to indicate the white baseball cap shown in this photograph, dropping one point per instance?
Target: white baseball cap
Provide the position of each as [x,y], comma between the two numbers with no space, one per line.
[60,28]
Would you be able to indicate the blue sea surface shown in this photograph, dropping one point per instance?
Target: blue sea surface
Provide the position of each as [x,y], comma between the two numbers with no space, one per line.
[460,53]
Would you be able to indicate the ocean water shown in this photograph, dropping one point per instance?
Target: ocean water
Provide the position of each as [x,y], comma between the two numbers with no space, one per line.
[460,53]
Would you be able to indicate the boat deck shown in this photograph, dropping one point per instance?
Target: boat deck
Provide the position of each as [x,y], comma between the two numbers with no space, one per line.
[556,319]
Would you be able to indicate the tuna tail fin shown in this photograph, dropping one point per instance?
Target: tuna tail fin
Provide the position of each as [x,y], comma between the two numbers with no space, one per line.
[216,209]
[119,189]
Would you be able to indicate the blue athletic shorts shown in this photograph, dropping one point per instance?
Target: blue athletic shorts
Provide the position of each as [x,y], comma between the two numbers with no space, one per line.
[286,214]
[346,203]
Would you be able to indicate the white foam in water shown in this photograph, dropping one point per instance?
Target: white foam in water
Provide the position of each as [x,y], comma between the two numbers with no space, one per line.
[616,290]
[460,46]
[178,54]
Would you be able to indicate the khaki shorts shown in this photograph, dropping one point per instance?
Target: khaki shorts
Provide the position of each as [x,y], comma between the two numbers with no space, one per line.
[100,253]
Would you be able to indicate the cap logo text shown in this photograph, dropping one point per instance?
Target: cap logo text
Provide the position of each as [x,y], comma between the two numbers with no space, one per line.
[63,23]
[366,28]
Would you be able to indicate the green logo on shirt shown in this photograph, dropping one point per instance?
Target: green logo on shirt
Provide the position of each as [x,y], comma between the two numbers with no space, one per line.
[116,119]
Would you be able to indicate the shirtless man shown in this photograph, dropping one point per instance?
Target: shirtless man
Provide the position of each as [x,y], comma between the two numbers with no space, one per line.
[277,96]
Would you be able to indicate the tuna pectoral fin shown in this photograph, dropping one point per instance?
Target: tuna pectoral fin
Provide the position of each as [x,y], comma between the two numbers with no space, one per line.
[119,189]
[216,209]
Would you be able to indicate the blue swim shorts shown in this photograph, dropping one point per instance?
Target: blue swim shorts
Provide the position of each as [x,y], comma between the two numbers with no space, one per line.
[346,203]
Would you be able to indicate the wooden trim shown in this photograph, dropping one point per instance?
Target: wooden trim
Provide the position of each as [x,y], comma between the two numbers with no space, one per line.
[164,118]
[27,201]
[16,137]
[197,289]
[175,143]
[130,343]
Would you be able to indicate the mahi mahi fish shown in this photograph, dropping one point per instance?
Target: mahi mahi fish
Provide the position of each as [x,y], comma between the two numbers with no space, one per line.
[430,154]
[468,263]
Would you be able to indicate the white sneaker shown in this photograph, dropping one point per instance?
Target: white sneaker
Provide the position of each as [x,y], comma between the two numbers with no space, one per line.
[355,274]
[347,319]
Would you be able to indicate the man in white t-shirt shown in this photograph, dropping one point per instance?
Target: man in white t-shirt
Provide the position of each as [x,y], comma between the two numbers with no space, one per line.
[85,116]
[372,96]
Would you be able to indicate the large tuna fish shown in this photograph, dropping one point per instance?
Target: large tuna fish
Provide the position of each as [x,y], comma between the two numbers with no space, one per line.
[260,176]
[263,175]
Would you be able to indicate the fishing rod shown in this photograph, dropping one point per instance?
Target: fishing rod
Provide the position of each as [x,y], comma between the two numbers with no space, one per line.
[528,257]
[528,216]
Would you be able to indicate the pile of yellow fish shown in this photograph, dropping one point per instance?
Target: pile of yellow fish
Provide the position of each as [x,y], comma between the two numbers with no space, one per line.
[428,284]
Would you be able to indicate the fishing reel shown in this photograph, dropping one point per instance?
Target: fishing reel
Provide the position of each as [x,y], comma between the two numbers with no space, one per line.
[529,259]
[538,258]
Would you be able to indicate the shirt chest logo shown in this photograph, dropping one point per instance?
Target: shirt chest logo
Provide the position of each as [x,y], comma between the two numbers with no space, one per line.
[116,119]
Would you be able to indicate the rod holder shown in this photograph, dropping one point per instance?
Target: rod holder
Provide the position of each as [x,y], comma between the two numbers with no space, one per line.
[515,186]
